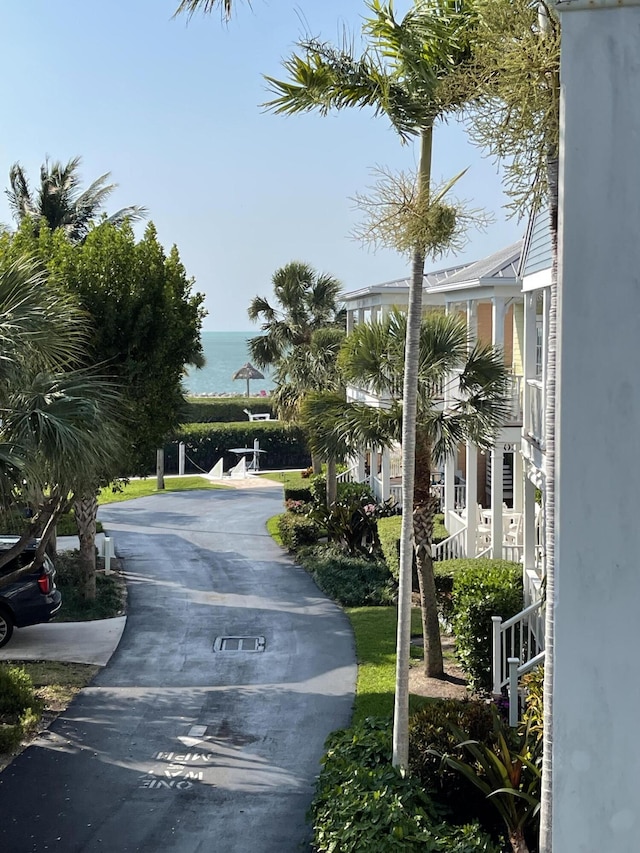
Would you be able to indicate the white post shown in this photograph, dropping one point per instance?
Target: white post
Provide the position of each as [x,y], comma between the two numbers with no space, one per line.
[497,491]
[385,464]
[496,654]
[160,468]
[596,694]
[528,532]
[513,664]
[107,555]
[449,486]
[181,458]
[360,467]
[472,498]
[518,479]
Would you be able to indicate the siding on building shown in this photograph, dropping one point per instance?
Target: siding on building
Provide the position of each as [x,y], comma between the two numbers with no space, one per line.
[538,252]
[517,364]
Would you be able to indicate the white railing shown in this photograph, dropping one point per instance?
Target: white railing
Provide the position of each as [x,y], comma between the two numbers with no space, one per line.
[451,548]
[515,398]
[459,495]
[535,425]
[395,492]
[516,671]
[512,552]
[348,476]
[521,637]
[395,466]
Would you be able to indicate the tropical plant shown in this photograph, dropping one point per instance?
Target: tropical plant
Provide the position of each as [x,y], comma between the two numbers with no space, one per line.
[515,116]
[192,6]
[404,74]
[305,301]
[373,356]
[507,772]
[60,201]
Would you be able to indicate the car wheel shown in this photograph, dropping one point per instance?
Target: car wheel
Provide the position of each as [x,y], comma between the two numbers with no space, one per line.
[6,627]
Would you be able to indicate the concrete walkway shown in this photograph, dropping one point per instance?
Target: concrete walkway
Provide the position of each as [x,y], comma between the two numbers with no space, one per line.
[193,740]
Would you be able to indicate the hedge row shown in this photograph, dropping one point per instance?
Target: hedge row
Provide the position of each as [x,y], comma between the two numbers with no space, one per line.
[206,410]
[284,445]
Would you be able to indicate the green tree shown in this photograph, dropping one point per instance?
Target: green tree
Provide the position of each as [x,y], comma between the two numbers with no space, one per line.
[61,202]
[306,301]
[515,116]
[54,416]
[405,74]
[373,356]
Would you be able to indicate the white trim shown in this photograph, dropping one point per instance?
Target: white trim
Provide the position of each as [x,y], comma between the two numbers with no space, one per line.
[539,279]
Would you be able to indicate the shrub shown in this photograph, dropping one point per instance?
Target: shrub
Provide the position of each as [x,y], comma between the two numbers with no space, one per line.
[298,493]
[533,714]
[351,524]
[429,729]
[389,534]
[284,444]
[482,589]
[223,410]
[297,530]
[363,803]
[19,707]
[351,581]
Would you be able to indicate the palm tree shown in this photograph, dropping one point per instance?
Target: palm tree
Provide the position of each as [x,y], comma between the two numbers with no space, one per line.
[60,201]
[310,370]
[307,301]
[373,356]
[405,75]
[54,419]
[193,6]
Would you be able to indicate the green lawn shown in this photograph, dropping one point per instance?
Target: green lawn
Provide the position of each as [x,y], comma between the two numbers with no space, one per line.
[290,479]
[142,488]
[375,634]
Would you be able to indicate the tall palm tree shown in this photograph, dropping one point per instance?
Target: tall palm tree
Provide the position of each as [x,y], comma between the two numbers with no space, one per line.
[373,356]
[306,301]
[404,74]
[193,6]
[61,202]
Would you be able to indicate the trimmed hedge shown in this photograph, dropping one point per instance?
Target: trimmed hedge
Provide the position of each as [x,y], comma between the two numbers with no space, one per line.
[362,803]
[481,589]
[206,410]
[351,581]
[285,445]
[19,707]
[297,530]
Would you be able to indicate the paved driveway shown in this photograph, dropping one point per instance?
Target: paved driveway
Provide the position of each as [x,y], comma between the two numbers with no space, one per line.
[178,746]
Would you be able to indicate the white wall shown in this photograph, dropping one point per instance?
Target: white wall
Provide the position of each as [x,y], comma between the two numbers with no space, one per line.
[596,793]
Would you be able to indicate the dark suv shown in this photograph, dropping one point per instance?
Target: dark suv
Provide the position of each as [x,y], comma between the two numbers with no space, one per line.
[32,597]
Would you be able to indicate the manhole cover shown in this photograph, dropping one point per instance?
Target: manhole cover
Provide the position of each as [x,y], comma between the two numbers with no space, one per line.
[239,644]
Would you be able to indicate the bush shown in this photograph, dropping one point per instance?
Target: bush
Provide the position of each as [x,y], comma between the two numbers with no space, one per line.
[362,803]
[297,530]
[482,589]
[19,707]
[298,493]
[351,523]
[430,728]
[200,410]
[389,533]
[351,581]
[285,445]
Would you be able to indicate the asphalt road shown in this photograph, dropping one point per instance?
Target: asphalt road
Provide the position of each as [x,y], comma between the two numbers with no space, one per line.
[178,746]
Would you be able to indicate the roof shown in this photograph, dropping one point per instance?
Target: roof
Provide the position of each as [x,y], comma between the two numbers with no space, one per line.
[501,265]
[431,278]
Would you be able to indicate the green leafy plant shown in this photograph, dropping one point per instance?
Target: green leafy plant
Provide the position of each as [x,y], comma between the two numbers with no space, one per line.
[20,709]
[352,581]
[507,771]
[482,589]
[362,803]
[297,531]
[351,522]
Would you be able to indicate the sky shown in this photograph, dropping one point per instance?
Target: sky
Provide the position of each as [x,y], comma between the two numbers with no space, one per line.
[171,108]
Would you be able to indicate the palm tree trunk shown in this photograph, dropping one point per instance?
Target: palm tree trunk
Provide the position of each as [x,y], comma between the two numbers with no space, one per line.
[316,464]
[409,419]
[549,516]
[425,506]
[86,511]
[518,844]
[332,481]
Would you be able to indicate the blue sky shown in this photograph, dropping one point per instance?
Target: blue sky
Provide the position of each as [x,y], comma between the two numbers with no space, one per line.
[172,111]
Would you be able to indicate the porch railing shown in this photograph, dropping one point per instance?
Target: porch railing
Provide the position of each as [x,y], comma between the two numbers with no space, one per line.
[459,495]
[451,548]
[535,426]
[348,476]
[519,639]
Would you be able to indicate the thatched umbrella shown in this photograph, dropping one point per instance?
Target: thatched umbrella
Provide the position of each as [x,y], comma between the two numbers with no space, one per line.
[248,371]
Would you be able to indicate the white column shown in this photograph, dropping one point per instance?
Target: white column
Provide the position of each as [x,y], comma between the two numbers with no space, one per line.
[449,485]
[349,320]
[529,357]
[472,498]
[472,319]
[596,752]
[529,529]
[497,321]
[384,474]
[497,454]
[360,467]
[518,479]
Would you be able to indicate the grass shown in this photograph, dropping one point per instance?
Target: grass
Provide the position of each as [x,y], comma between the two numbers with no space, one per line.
[146,487]
[375,634]
[109,601]
[289,479]
[273,531]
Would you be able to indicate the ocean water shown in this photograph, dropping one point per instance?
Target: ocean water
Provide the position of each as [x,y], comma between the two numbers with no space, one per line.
[225,352]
